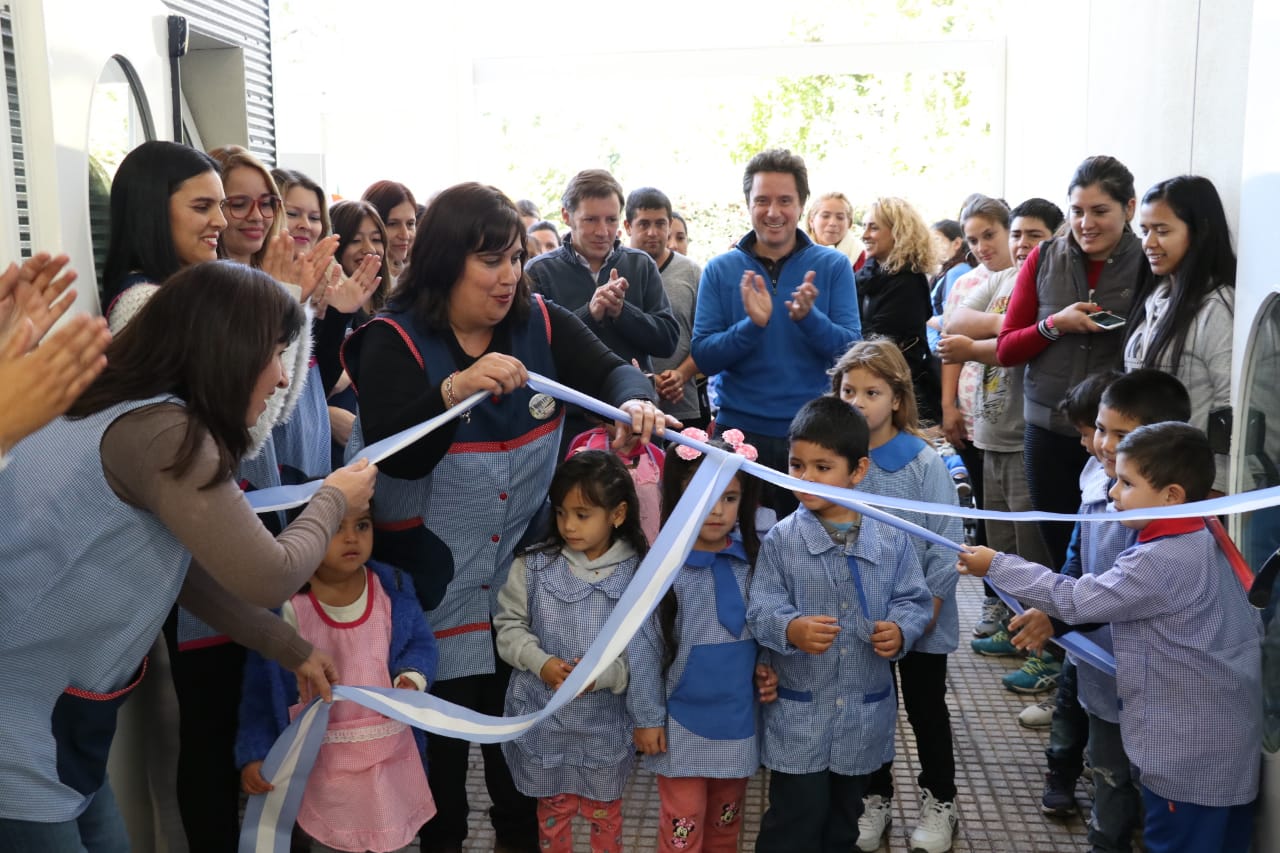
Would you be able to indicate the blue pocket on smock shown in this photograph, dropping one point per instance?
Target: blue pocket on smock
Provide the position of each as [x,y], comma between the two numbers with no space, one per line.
[413,549]
[83,724]
[715,698]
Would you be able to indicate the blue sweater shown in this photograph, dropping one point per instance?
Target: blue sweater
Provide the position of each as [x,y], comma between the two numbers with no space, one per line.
[269,689]
[767,374]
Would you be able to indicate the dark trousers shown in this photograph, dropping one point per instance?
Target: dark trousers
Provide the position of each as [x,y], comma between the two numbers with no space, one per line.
[923,680]
[774,453]
[1053,465]
[811,811]
[1069,729]
[1174,827]
[972,456]
[514,816]
[207,682]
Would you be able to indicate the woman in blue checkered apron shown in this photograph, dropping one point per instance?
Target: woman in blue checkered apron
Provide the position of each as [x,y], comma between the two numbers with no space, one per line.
[453,506]
[125,506]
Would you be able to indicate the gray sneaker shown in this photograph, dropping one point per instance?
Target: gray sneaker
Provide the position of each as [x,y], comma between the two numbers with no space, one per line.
[994,612]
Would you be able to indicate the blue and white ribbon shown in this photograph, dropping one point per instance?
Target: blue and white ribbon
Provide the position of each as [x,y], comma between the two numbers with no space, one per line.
[269,818]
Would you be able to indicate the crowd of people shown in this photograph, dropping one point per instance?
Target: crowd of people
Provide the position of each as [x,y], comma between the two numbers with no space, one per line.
[258,335]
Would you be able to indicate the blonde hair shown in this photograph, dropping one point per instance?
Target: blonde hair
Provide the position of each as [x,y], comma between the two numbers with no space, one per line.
[912,245]
[232,157]
[817,203]
[882,357]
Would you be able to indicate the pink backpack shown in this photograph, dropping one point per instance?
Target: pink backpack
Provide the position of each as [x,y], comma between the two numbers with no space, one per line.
[645,465]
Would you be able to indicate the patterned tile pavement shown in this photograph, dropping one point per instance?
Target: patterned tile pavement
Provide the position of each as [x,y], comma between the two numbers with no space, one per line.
[999,770]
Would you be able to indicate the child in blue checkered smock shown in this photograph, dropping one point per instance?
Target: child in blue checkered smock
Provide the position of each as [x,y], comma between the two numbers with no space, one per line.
[874,378]
[836,596]
[691,694]
[557,597]
[1188,646]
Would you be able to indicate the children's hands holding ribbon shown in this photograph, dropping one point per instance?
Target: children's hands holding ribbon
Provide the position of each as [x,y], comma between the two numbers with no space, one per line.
[975,560]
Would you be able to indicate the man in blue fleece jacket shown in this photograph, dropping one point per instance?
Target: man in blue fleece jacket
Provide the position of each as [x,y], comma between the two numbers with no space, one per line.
[774,313]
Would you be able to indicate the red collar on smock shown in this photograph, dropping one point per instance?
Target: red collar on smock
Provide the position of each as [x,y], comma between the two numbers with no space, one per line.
[1170,527]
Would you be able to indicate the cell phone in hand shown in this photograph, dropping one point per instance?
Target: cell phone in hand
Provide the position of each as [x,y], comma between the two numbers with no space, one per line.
[1107,320]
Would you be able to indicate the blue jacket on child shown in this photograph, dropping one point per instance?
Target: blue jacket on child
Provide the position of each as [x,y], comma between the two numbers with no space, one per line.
[835,711]
[270,689]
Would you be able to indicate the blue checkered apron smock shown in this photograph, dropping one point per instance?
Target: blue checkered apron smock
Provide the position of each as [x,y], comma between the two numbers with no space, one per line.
[455,530]
[726,744]
[304,447]
[585,748]
[86,582]
[1188,651]
[835,711]
[908,467]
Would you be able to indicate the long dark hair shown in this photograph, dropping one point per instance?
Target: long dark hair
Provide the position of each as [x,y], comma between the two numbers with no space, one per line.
[205,337]
[463,220]
[1210,263]
[603,481]
[676,474]
[346,217]
[141,231]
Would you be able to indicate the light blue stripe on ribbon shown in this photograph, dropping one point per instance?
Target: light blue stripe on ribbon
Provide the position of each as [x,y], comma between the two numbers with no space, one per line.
[269,818]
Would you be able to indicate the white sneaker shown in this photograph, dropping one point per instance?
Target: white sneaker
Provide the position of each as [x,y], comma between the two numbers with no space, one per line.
[937,825]
[1039,716]
[875,822]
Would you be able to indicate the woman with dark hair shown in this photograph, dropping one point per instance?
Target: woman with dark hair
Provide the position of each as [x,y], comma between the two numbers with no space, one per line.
[125,506]
[206,666]
[1048,328]
[453,506]
[1184,306]
[166,213]
[399,211]
[361,233]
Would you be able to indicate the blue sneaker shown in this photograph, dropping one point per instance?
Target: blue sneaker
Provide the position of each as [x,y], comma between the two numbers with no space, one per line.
[996,646]
[1038,675]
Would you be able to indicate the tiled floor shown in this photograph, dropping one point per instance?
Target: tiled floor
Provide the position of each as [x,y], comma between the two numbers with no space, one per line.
[999,771]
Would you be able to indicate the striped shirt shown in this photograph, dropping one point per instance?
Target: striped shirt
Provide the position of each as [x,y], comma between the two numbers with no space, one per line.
[1188,657]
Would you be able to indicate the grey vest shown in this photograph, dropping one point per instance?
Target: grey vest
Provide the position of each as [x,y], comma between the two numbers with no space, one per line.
[1061,280]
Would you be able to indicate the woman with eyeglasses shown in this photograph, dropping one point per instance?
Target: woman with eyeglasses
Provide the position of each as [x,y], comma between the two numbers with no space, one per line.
[252,207]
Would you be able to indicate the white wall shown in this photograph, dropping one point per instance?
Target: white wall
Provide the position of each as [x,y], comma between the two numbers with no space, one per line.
[1160,84]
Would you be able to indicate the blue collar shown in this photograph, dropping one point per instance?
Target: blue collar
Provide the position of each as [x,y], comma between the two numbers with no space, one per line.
[897,452]
[703,559]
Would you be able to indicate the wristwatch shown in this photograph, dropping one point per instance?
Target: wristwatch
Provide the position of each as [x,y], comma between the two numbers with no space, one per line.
[1048,323]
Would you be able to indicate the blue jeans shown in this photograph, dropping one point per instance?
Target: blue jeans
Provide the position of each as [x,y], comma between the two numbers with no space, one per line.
[1117,808]
[100,829]
[1069,729]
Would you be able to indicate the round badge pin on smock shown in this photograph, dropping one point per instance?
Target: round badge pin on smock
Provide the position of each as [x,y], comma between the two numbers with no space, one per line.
[542,406]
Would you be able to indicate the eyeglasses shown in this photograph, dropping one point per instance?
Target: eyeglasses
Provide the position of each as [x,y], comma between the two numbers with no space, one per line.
[241,206]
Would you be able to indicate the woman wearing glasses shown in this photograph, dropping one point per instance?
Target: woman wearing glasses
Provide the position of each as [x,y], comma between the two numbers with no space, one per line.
[252,208]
